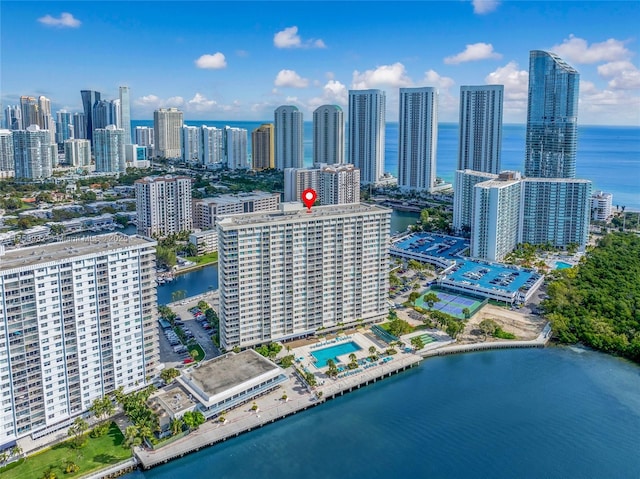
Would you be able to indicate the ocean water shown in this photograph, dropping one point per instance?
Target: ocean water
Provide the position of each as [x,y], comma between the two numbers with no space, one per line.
[530,413]
[609,156]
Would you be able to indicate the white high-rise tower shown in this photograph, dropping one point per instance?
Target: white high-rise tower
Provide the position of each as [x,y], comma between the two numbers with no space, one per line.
[480,139]
[418,138]
[366,133]
[125,113]
[289,146]
[167,129]
[328,135]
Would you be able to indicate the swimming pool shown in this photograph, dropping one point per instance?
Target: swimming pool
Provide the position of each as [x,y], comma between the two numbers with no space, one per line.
[563,265]
[332,352]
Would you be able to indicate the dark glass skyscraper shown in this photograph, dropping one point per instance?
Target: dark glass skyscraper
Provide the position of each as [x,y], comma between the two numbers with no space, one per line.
[89,98]
[551,117]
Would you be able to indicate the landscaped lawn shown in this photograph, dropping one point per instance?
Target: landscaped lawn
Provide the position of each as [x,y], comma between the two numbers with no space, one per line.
[199,356]
[204,259]
[95,454]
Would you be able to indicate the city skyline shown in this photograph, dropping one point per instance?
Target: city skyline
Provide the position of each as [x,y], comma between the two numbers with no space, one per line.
[261,55]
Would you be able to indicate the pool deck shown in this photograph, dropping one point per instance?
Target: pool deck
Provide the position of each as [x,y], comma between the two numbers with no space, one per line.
[271,407]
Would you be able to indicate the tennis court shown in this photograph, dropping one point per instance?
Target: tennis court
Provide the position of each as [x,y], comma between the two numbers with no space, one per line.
[452,303]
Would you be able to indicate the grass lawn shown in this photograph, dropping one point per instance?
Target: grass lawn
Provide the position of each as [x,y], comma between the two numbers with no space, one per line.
[204,259]
[95,454]
[199,352]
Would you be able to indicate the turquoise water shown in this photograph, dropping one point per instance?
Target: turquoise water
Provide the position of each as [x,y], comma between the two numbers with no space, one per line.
[562,265]
[523,413]
[332,352]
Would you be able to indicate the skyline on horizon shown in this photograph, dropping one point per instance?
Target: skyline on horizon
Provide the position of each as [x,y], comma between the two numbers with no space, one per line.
[261,55]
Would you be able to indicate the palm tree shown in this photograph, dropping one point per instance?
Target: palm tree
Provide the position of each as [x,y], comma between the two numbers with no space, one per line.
[373,351]
[132,437]
[176,426]
[466,313]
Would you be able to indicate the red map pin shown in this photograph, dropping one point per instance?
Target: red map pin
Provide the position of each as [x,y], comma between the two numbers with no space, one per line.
[309,197]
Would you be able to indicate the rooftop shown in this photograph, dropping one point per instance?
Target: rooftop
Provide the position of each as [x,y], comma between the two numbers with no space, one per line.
[230,370]
[173,400]
[238,198]
[299,213]
[73,248]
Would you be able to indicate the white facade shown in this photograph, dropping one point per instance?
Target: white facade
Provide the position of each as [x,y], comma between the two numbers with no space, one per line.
[496,214]
[6,150]
[212,146]
[555,211]
[32,153]
[334,184]
[78,320]
[108,145]
[167,125]
[480,128]
[144,136]
[207,211]
[285,274]
[366,133]
[236,148]
[77,152]
[289,137]
[463,197]
[205,241]
[601,206]
[125,113]
[418,138]
[328,135]
[191,144]
[163,205]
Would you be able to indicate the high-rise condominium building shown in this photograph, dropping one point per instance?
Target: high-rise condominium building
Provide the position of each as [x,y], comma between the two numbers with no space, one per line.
[191,144]
[77,152]
[30,110]
[496,215]
[213,153]
[335,184]
[289,144]
[6,150]
[13,117]
[109,149]
[418,138]
[480,128]
[89,99]
[167,127]
[105,112]
[236,148]
[463,197]
[79,321]
[79,126]
[365,134]
[64,126]
[328,135]
[552,114]
[144,136]
[125,113]
[32,153]
[163,205]
[555,211]
[262,147]
[286,274]
[207,211]
[601,206]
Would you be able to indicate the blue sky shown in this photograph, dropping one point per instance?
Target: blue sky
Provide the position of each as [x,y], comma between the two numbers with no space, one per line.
[240,60]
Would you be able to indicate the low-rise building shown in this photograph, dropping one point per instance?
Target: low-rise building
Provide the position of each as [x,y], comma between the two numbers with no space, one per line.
[206,211]
[205,241]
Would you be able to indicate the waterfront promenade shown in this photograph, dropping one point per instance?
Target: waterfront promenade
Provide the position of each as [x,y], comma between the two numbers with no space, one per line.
[271,407]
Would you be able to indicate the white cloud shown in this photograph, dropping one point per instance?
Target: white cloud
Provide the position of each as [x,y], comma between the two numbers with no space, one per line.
[66,20]
[289,78]
[577,50]
[153,102]
[484,6]
[433,78]
[385,75]
[211,62]
[516,88]
[622,75]
[474,52]
[333,93]
[612,107]
[289,38]
[200,103]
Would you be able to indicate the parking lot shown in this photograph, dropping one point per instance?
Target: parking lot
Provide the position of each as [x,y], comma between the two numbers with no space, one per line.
[201,335]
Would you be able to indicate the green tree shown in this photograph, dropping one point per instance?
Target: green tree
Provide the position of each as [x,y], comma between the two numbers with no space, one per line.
[193,419]
[417,343]
[430,299]
[398,327]
[332,370]
[167,375]
[166,256]
[132,437]
[49,474]
[176,426]
[413,296]
[373,352]
[77,430]
[488,327]
[466,312]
